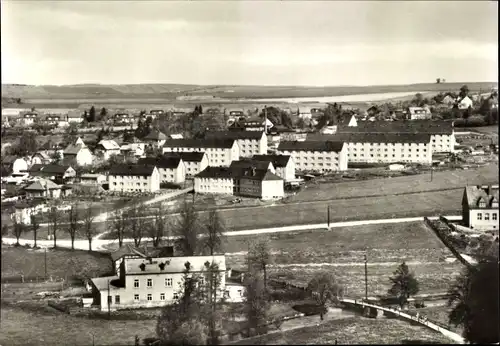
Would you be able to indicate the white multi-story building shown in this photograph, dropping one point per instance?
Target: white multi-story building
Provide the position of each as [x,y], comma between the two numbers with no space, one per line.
[171,169]
[153,282]
[480,207]
[139,178]
[383,147]
[250,142]
[316,156]
[195,162]
[220,152]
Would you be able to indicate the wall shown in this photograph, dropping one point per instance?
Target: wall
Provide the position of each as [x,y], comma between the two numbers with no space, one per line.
[214,185]
[483,224]
[272,189]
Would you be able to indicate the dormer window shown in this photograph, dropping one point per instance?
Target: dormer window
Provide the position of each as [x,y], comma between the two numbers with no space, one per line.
[482,203]
[494,203]
[142,266]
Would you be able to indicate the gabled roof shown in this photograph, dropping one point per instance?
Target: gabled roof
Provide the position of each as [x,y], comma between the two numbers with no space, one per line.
[156,135]
[277,160]
[161,162]
[400,127]
[73,149]
[138,170]
[372,137]
[187,156]
[42,185]
[248,163]
[172,264]
[49,169]
[308,145]
[218,172]
[476,194]
[235,134]
[252,173]
[43,154]
[6,160]
[109,144]
[199,143]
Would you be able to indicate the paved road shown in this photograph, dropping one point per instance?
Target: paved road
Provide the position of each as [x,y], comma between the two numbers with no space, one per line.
[99,244]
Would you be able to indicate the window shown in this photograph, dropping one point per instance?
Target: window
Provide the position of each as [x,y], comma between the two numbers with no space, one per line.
[136,297]
[117,299]
[176,295]
[168,282]
[479,216]
[150,282]
[240,293]
[494,216]
[150,297]
[486,216]
[136,283]
[162,296]
[202,281]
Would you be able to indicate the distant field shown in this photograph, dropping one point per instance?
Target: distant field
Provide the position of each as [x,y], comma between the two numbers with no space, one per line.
[354,330]
[55,94]
[299,255]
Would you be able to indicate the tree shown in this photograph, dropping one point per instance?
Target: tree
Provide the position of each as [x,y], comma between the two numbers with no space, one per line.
[74,225]
[18,229]
[475,304]
[136,223]
[256,305]
[418,100]
[215,229]
[26,145]
[158,227]
[35,226]
[103,113]
[464,91]
[259,257]
[213,291]
[88,224]
[404,284]
[187,230]
[56,156]
[325,288]
[91,116]
[119,225]
[438,80]
[55,219]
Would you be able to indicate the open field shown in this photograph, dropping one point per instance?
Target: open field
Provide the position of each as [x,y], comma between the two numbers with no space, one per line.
[354,330]
[399,185]
[299,255]
[17,261]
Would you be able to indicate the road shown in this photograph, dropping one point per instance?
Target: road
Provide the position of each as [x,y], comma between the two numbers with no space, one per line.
[100,244]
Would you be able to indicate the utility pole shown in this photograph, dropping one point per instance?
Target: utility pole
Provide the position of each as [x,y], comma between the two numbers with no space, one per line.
[328,214]
[432,171]
[45,264]
[366,278]
[265,120]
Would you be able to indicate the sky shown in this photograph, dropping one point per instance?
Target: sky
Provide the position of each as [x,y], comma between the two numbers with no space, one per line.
[312,43]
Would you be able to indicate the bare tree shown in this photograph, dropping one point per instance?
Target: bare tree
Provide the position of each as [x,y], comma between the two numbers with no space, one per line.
[74,225]
[88,224]
[187,230]
[136,223]
[35,226]
[55,220]
[256,304]
[324,287]
[214,292]
[259,257]
[119,225]
[157,228]
[215,228]
[18,229]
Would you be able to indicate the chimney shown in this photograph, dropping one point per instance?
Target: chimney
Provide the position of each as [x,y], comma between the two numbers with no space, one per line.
[253,172]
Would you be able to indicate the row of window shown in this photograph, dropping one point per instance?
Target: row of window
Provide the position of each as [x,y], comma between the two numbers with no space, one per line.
[128,183]
[168,282]
[393,149]
[128,177]
[328,164]
[487,216]
[393,155]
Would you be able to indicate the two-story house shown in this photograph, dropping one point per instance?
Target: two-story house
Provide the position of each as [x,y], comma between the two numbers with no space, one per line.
[155,139]
[12,164]
[171,169]
[138,178]
[41,158]
[28,118]
[43,188]
[220,152]
[55,120]
[480,207]
[283,164]
[316,156]
[56,172]
[153,282]
[194,161]
[107,148]
[250,142]
[77,154]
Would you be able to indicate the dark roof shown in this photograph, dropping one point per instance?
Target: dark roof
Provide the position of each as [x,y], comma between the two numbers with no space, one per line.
[160,162]
[238,173]
[156,135]
[475,194]
[200,143]
[124,169]
[49,169]
[248,163]
[9,159]
[73,149]
[235,134]
[42,185]
[35,168]
[373,137]
[309,145]
[192,156]
[277,160]
[414,126]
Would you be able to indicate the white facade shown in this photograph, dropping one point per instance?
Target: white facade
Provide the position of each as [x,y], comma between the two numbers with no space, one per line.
[390,152]
[127,183]
[483,219]
[465,103]
[19,165]
[217,157]
[214,185]
[443,143]
[173,175]
[318,161]
[195,167]
[250,147]
[82,158]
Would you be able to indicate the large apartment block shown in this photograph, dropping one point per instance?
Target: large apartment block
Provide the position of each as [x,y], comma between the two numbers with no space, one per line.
[383,147]
[316,156]
[250,142]
[220,152]
[194,161]
[152,282]
[134,178]
[171,169]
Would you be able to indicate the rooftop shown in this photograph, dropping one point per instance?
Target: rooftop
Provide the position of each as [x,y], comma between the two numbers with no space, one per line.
[476,194]
[235,134]
[49,169]
[172,264]
[108,144]
[129,170]
[276,160]
[156,135]
[414,126]
[42,185]
[192,156]
[161,161]
[363,137]
[252,173]
[225,143]
[312,145]
[73,149]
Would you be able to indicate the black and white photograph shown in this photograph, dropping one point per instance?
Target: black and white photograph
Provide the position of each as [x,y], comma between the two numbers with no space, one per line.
[249,172]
